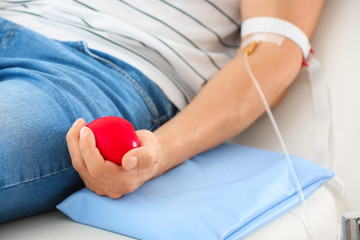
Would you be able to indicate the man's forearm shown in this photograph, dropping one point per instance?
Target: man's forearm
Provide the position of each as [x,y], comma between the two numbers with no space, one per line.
[229,102]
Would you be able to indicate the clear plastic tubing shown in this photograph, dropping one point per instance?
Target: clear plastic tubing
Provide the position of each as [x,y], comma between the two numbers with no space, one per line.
[283,146]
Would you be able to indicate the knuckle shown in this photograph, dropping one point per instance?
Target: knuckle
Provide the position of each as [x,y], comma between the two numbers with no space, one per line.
[96,172]
[85,181]
[130,188]
[99,192]
[68,137]
[78,166]
[88,185]
[114,195]
[92,187]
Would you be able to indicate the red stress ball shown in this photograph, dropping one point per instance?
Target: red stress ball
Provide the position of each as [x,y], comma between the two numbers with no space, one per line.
[114,136]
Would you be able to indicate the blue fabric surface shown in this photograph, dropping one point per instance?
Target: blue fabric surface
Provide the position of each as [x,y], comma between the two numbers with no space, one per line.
[225,193]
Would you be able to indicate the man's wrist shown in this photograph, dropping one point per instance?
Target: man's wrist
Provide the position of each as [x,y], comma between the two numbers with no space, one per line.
[164,158]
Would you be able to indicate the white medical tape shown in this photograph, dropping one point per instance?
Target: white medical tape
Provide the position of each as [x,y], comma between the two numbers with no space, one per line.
[321,101]
[321,105]
[276,26]
[263,37]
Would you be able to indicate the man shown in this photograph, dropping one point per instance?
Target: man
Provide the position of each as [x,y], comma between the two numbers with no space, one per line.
[169,51]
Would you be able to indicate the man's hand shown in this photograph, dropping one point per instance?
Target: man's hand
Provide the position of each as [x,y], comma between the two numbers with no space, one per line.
[105,177]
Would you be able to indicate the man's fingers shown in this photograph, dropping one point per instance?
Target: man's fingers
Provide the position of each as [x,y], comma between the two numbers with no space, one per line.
[147,138]
[143,156]
[138,158]
[93,159]
[72,139]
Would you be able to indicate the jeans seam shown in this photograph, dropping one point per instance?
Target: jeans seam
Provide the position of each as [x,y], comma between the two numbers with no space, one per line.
[35,179]
[149,102]
[7,38]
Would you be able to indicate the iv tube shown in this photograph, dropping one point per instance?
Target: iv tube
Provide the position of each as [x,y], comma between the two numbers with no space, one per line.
[277,131]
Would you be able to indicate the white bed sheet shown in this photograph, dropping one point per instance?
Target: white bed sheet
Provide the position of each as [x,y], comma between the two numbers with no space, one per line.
[323,212]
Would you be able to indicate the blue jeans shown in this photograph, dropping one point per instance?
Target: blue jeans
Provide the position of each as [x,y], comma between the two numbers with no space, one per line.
[45,85]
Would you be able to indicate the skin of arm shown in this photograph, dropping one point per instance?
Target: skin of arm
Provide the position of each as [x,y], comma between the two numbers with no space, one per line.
[229,102]
[226,105]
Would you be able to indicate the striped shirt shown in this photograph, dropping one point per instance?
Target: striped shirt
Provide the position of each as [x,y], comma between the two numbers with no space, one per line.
[178,44]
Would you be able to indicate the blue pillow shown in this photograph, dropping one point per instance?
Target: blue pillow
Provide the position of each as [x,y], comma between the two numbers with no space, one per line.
[225,193]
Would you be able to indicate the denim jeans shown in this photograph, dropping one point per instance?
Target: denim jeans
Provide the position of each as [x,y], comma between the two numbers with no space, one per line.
[45,85]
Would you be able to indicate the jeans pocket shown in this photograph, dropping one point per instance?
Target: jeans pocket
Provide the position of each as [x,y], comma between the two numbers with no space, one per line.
[82,46]
[156,105]
[7,31]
